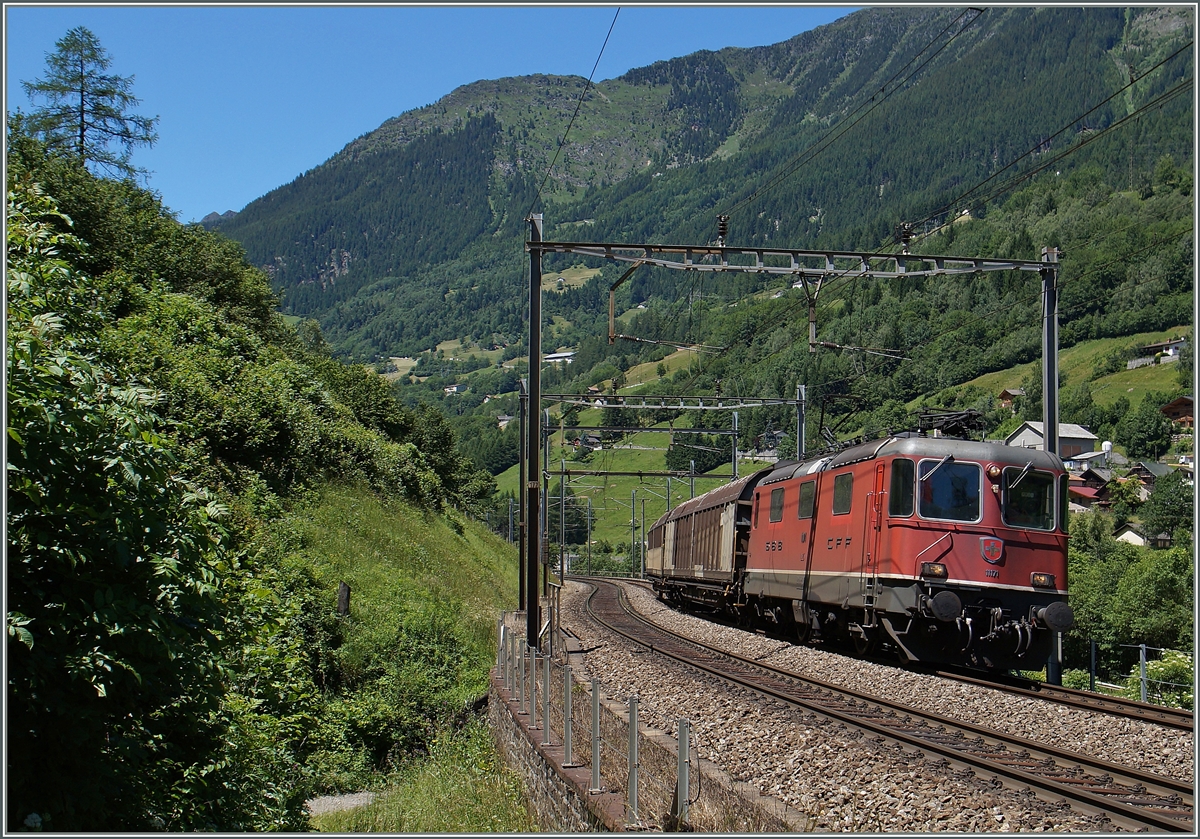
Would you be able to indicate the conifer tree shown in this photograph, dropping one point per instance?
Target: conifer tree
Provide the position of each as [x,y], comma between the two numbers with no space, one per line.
[87,110]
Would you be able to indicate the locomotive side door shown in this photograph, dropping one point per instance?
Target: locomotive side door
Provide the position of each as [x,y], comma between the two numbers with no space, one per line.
[872,528]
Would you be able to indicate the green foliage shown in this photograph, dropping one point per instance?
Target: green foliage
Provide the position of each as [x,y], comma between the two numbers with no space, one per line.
[114,614]
[175,658]
[1146,431]
[1153,600]
[464,787]
[1170,680]
[1125,595]
[87,109]
[414,651]
[1169,507]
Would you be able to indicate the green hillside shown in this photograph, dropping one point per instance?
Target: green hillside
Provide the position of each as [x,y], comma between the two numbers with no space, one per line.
[1081,363]
[655,154]
[824,140]
[190,477]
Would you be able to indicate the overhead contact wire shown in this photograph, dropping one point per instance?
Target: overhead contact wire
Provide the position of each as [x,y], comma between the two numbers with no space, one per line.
[821,145]
[1060,131]
[571,124]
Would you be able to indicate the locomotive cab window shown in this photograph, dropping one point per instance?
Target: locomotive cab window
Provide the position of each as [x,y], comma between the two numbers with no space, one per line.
[777,504]
[949,489]
[843,488]
[1028,498]
[900,498]
[808,497]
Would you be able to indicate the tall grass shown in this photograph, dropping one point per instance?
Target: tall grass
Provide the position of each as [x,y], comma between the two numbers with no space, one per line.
[414,655]
[462,787]
[398,560]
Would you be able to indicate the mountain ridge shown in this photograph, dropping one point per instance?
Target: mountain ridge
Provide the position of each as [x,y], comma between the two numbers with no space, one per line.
[657,151]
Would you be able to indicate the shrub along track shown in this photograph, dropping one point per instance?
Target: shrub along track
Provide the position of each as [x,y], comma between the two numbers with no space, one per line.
[1129,798]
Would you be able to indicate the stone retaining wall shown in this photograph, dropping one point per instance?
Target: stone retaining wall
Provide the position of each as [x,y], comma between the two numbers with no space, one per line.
[561,797]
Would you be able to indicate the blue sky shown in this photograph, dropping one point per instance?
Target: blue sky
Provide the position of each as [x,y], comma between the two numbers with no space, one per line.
[249,97]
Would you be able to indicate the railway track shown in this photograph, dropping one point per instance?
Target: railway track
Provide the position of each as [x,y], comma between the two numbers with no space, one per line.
[1179,718]
[1085,700]
[1129,798]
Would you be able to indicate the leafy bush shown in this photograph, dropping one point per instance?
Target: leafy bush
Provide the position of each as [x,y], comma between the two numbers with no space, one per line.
[1170,680]
[115,622]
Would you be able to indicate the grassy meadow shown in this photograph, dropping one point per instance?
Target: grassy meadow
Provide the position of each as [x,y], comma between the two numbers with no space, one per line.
[413,574]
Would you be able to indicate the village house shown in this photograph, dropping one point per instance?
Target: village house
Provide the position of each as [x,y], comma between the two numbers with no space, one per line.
[1072,439]
[1147,471]
[1179,411]
[1162,352]
[1008,397]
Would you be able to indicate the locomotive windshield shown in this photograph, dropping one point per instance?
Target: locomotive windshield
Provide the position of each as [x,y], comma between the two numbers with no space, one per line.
[949,490]
[1028,498]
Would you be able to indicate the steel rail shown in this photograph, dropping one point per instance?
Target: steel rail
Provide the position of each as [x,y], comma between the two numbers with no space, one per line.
[1180,718]
[1083,700]
[1128,797]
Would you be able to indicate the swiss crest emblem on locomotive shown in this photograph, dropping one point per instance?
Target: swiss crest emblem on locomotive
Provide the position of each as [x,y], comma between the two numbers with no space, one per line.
[991,548]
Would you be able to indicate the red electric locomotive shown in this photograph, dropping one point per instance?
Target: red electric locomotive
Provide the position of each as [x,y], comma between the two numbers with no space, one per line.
[946,550]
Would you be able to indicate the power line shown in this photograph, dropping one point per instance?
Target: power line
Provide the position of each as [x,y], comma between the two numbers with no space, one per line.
[821,145]
[1140,78]
[1017,180]
[571,124]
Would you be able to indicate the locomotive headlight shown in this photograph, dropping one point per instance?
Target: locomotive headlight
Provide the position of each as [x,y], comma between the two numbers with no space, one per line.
[993,471]
[1039,579]
[937,570]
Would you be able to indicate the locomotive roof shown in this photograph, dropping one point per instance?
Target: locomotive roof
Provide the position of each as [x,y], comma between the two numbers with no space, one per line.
[915,445]
[904,445]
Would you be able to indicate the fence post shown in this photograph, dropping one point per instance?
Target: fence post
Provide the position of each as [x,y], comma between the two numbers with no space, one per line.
[567,681]
[1142,668]
[1092,679]
[521,678]
[533,659]
[633,756]
[500,637]
[681,784]
[513,649]
[595,736]
[546,700]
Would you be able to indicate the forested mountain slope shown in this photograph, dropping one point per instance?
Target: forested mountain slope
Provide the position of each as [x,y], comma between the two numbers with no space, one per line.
[412,234]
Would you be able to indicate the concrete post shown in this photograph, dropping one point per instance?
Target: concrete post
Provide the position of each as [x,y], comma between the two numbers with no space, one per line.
[521,678]
[500,641]
[545,700]
[633,757]
[1142,668]
[682,785]
[595,737]
[568,759]
[533,660]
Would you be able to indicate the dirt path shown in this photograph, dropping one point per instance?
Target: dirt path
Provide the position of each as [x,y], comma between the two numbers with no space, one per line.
[333,803]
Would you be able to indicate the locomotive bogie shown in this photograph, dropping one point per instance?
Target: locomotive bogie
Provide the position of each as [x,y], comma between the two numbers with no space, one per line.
[946,550]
